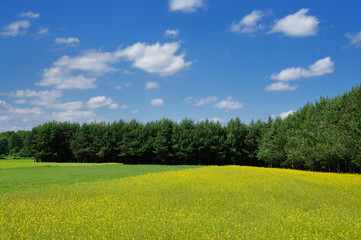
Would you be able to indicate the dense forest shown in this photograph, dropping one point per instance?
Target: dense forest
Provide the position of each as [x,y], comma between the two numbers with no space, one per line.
[14,144]
[321,136]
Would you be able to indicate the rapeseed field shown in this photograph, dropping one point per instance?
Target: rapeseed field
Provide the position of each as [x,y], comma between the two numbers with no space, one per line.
[230,202]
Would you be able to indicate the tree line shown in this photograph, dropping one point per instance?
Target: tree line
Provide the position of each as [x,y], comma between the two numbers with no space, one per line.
[14,144]
[321,136]
[159,142]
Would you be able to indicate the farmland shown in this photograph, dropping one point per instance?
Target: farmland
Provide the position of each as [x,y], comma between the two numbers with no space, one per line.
[157,202]
[25,174]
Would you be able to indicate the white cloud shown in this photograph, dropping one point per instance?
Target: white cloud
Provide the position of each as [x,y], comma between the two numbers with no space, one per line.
[228,103]
[4,118]
[14,114]
[93,61]
[319,68]
[281,86]
[286,114]
[42,31]
[15,28]
[124,107]
[60,78]
[200,102]
[171,33]
[71,41]
[136,111]
[42,98]
[29,14]
[28,111]
[249,23]
[157,102]
[355,39]
[151,85]
[114,106]
[157,59]
[46,99]
[188,6]
[100,101]
[68,106]
[73,115]
[289,74]
[297,25]
[118,88]
[20,101]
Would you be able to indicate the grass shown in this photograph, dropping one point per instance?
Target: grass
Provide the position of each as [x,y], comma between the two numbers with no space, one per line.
[25,174]
[231,202]
[29,163]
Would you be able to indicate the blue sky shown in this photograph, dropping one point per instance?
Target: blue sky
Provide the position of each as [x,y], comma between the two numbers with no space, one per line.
[108,60]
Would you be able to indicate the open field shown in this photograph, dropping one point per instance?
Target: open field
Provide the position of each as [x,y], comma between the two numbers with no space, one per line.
[29,163]
[25,174]
[202,203]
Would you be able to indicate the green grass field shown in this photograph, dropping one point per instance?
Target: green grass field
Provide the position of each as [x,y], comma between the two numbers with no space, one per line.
[230,202]
[25,174]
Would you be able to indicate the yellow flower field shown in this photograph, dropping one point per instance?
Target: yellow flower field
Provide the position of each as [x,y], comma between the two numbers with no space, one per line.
[230,202]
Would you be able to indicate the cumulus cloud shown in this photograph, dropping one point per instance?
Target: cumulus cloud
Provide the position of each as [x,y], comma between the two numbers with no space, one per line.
[61,78]
[286,114]
[319,68]
[27,111]
[355,39]
[228,103]
[20,101]
[281,86]
[151,85]
[200,102]
[114,106]
[171,33]
[4,118]
[68,111]
[38,97]
[93,61]
[297,25]
[29,14]
[100,101]
[157,59]
[74,115]
[48,99]
[15,28]
[123,107]
[68,106]
[71,41]
[42,31]
[11,112]
[249,23]
[187,6]
[158,102]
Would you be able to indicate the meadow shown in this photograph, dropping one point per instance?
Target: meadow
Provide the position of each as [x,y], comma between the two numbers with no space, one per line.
[17,175]
[227,202]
